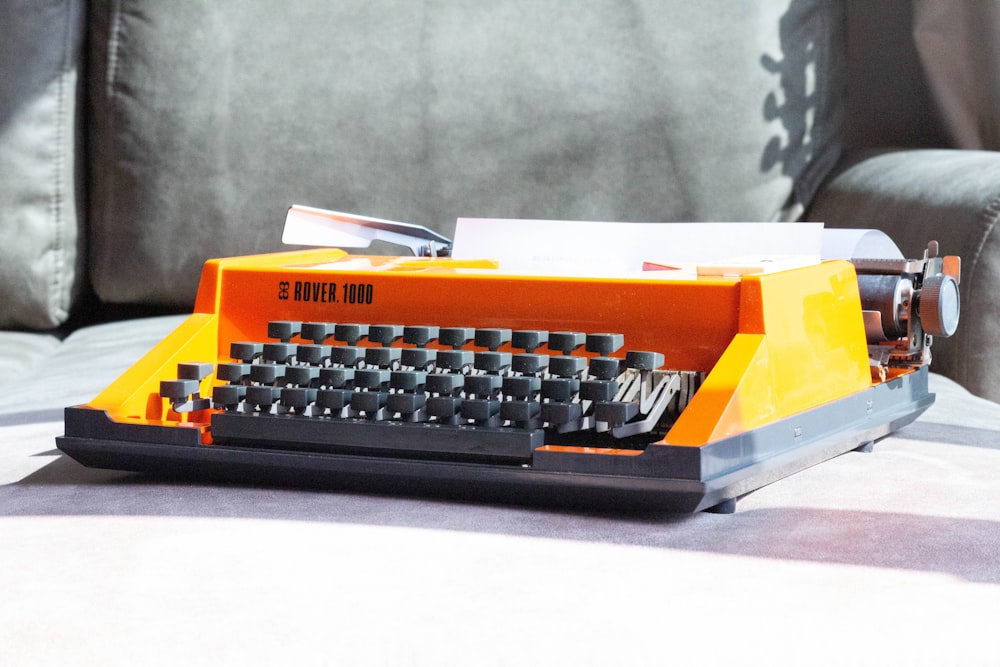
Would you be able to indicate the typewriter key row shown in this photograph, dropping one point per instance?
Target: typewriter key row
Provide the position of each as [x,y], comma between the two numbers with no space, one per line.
[449,384]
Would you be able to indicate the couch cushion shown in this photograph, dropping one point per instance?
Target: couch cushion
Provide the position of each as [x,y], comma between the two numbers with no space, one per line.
[209,122]
[39,47]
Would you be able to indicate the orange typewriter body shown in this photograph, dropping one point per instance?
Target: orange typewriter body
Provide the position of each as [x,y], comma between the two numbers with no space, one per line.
[650,392]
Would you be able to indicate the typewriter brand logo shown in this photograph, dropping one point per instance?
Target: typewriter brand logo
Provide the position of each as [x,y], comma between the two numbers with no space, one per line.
[317,291]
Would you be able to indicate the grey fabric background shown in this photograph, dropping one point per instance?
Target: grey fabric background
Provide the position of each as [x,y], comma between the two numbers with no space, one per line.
[959,47]
[39,45]
[207,123]
[889,103]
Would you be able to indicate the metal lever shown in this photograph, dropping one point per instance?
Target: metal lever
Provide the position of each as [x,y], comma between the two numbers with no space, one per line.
[305,225]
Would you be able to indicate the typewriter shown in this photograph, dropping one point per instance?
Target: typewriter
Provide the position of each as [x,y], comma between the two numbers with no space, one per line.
[677,388]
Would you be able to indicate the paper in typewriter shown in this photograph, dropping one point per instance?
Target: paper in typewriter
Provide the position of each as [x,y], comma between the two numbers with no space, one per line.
[583,248]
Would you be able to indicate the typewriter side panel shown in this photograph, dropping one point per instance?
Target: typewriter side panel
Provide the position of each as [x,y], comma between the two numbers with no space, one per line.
[801,344]
[136,396]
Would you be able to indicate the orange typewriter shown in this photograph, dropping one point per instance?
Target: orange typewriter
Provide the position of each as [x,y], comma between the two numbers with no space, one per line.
[672,385]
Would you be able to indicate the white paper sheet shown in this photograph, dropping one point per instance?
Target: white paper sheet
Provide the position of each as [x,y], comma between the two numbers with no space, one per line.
[576,248]
[859,244]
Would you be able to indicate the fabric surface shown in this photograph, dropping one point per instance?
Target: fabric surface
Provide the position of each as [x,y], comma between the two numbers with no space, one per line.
[39,48]
[888,101]
[959,46]
[21,353]
[43,375]
[208,122]
[949,196]
[848,562]
[873,559]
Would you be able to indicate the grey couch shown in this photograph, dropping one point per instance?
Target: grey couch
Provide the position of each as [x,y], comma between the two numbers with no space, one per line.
[139,138]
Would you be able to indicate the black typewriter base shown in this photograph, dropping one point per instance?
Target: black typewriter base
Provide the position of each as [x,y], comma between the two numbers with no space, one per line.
[755,459]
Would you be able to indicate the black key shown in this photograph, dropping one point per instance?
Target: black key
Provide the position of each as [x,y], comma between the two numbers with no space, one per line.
[604,343]
[480,409]
[334,400]
[383,357]
[643,361]
[521,386]
[408,380]
[297,398]
[560,389]
[267,373]
[194,370]
[566,341]
[347,355]
[280,353]
[529,364]
[385,334]
[420,335]
[418,358]
[228,396]
[455,337]
[557,414]
[520,411]
[369,403]
[482,386]
[178,390]
[445,408]
[528,340]
[317,332]
[283,330]
[303,376]
[455,360]
[567,366]
[444,384]
[350,333]
[598,390]
[336,378]
[615,413]
[492,339]
[492,362]
[371,378]
[263,397]
[245,352]
[313,353]
[605,368]
[406,404]
[233,373]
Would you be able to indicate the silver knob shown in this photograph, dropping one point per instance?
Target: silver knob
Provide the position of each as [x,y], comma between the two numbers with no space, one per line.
[939,305]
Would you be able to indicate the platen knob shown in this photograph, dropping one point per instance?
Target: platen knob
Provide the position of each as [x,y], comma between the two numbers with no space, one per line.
[939,305]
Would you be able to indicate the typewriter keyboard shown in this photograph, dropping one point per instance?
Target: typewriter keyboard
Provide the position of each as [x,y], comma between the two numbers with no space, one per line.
[366,387]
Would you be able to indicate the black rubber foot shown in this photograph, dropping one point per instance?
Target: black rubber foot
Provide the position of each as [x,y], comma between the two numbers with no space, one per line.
[725,507]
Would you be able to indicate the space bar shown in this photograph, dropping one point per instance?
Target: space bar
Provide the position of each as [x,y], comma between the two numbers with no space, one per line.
[363,436]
